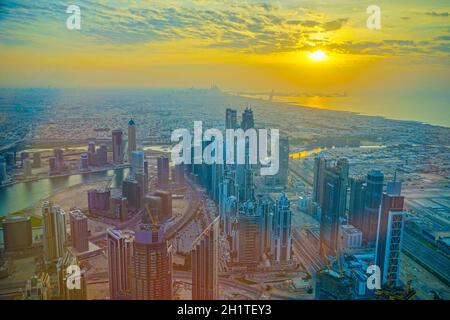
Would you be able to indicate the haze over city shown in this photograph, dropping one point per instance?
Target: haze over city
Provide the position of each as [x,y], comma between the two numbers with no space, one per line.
[399,71]
[355,100]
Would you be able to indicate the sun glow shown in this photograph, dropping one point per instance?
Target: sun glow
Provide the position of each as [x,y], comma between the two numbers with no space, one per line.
[318,56]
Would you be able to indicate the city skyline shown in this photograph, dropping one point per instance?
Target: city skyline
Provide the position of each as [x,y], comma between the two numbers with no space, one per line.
[230,150]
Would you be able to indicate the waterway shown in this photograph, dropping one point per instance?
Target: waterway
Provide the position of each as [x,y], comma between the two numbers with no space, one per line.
[27,194]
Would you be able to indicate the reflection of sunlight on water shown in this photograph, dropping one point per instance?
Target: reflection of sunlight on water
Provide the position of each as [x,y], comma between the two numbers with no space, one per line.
[315,101]
[305,153]
[321,102]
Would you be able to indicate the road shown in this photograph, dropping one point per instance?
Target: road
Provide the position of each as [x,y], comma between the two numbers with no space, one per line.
[436,262]
[189,214]
[308,256]
[187,277]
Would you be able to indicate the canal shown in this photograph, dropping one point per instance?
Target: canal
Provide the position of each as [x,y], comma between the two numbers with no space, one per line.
[27,194]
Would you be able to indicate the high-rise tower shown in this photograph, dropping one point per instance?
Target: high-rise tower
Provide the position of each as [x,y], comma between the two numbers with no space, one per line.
[374,191]
[117,146]
[79,230]
[230,119]
[319,174]
[120,251]
[131,138]
[247,119]
[163,171]
[357,202]
[55,234]
[390,234]
[281,236]
[204,254]
[151,267]
[333,206]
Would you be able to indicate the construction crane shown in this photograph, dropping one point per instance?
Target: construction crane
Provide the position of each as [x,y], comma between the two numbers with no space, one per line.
[154,220]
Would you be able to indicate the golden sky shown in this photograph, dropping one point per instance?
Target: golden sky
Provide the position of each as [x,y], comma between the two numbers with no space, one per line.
[237,45]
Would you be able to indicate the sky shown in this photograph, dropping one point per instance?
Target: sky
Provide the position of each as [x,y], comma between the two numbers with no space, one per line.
[249,46]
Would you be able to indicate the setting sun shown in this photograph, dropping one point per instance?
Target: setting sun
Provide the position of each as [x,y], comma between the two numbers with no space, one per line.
[317,56]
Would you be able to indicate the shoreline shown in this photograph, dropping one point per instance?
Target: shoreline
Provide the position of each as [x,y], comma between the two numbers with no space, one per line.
[294,104]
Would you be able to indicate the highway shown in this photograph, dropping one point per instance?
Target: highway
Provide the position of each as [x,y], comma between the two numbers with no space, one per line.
[308,256]
[187,277]
[433,260]
[193,207]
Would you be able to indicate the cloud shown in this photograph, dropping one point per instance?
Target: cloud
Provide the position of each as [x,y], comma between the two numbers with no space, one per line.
[247,27]
[438,14]
[334,25]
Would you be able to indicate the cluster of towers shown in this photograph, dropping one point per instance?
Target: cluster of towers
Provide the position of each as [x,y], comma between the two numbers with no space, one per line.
[377,212]
[140,261]
[27,163]
[61,248]
[257,227]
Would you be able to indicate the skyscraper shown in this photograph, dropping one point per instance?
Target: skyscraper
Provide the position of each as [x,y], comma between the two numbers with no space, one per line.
[284,161]
[59,158]
[333,207]
[151,267]
[131,189]
[224,194]
[17,234]
[99,201]
[84,161]
[343,168]
[247,119]
[204,257]
[230,119]
[166,204]
[55,234]
[266,208]
[357,202]
[163,171]
[79,230]
[117,146]
[119,207]
[178,176]
[101,157]
[91,153]
[319,175]
[281,236]
[120,250]
[27,172]
[244,177]
[137,162]
[250,228]
[138,169]
[390,234]
[131,138]
[374,192]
